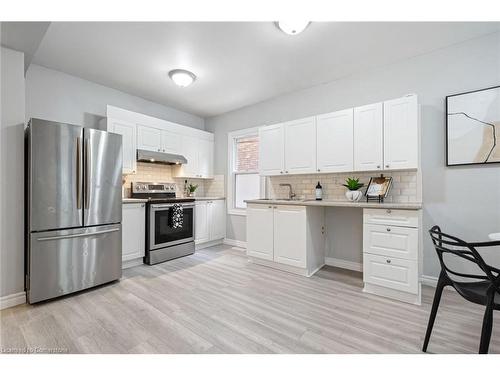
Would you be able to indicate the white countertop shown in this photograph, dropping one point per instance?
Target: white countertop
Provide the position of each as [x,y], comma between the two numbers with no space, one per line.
[339,203]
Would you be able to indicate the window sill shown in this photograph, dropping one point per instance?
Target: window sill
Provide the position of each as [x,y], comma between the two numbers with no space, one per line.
[237,211]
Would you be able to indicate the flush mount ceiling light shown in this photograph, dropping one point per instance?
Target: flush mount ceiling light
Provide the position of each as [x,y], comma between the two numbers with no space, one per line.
[181,77]
[292,27]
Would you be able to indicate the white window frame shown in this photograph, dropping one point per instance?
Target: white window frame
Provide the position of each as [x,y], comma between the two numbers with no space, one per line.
[232,137]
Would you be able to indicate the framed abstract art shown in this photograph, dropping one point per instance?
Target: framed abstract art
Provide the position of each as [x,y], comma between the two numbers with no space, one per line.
[473,127]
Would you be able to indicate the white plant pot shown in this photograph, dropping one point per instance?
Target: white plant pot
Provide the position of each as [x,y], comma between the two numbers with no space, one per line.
[353,195]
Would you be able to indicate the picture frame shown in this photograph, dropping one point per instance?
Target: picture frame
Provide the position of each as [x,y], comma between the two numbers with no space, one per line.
[378,188]
[467,144]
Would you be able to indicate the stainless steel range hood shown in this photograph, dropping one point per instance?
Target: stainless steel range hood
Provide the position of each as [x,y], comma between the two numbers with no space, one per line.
[160,157]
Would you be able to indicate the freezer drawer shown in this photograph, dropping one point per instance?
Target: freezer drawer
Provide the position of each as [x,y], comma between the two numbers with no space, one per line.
[66,261]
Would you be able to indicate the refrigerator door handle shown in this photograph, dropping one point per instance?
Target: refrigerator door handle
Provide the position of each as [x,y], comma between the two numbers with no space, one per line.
[87,173]
[78,175]
[78,235]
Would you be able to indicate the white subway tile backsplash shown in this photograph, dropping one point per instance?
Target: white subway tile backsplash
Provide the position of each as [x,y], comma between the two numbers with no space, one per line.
[404,186]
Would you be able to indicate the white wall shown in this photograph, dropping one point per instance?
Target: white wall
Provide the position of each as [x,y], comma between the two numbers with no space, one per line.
[463,200]
[52,95]
[11,172]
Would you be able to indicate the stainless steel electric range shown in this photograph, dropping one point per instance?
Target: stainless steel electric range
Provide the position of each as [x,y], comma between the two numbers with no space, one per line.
[162,241]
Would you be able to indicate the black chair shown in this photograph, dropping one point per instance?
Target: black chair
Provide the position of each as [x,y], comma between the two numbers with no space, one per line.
[484,291]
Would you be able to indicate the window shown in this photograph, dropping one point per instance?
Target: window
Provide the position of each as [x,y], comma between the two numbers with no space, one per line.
[244,181]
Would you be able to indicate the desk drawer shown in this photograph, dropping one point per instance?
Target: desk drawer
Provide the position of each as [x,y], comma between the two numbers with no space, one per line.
[394,273]
[402,218]
[391,241]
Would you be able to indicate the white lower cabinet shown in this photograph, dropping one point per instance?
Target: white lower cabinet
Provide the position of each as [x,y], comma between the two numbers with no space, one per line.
[290,238]
[133,233]
[391,254]
[209,221]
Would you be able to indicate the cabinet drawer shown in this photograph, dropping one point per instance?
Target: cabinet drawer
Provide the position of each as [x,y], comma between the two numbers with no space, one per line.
[404,218]
[394,273]
[391,241]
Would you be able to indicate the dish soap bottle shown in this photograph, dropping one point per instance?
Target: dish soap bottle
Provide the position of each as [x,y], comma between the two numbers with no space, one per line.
[319,192]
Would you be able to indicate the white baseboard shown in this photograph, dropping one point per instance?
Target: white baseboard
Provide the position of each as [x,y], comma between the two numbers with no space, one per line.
[341,263]
[199,246]
[231,242]
[12,300]
[429,280]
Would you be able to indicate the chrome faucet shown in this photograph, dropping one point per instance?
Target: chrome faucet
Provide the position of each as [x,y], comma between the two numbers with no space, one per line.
[291,194]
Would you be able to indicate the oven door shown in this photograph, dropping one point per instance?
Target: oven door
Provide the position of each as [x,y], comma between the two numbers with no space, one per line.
[161,234]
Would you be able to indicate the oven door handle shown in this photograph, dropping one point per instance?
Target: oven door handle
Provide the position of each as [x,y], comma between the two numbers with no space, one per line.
[154,206]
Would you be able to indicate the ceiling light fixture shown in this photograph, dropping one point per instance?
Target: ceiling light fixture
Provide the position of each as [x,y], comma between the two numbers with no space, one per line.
[181,77]
[292,27]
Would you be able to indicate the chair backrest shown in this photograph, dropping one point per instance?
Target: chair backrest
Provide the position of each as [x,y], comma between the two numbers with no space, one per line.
[446,244]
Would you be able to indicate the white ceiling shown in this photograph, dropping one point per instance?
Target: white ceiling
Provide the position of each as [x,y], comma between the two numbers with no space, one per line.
[237,63]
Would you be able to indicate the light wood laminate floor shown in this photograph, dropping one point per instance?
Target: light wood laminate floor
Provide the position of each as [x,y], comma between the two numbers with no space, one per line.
[216,302]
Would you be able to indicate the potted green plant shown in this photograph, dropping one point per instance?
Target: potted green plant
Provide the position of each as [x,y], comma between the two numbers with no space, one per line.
[353,185]
[191,189]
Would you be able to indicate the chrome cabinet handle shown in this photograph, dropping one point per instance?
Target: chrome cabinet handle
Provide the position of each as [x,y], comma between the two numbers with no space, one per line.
[388,229]
[387,165]
[378,166]
[78,235]
[286,171]
[388,260]
[319,170]
[388,211]
[269,206]
[281,172]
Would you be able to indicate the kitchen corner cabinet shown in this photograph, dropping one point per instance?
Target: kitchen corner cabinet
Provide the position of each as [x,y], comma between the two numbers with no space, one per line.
[335,142]
[401,134]
[200,156]
[129,148]
[290,238]
[210,221]
[133,231]
[368,137]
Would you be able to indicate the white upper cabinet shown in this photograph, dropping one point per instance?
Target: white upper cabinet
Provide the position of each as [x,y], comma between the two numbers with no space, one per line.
[148,138]
[300,146]
[129,148]
[170,142]
[401,133]
[335,141]
[199,154]
[271,150]
[368,137]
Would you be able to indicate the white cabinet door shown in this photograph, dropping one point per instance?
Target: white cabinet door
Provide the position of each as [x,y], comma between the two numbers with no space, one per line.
[390,241]
[260,231]
[190,152]
[334,141]
[368,138]
[205,158]
[290,235]
[170,142]
[217,219]
[148,138]
[401,133]
[129,148]
[133,230]
[300,146]
[201,222]
[271,150]
[394,273]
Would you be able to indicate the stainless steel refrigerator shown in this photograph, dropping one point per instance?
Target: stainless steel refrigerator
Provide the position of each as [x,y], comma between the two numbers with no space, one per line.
[73,208]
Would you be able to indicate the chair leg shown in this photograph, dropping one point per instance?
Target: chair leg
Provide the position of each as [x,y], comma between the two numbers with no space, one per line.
[487,326]
[435,304]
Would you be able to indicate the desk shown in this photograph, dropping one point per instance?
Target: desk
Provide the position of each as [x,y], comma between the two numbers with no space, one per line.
[290,236]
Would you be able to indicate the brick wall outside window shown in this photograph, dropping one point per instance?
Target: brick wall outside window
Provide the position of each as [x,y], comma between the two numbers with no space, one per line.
[247,154]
